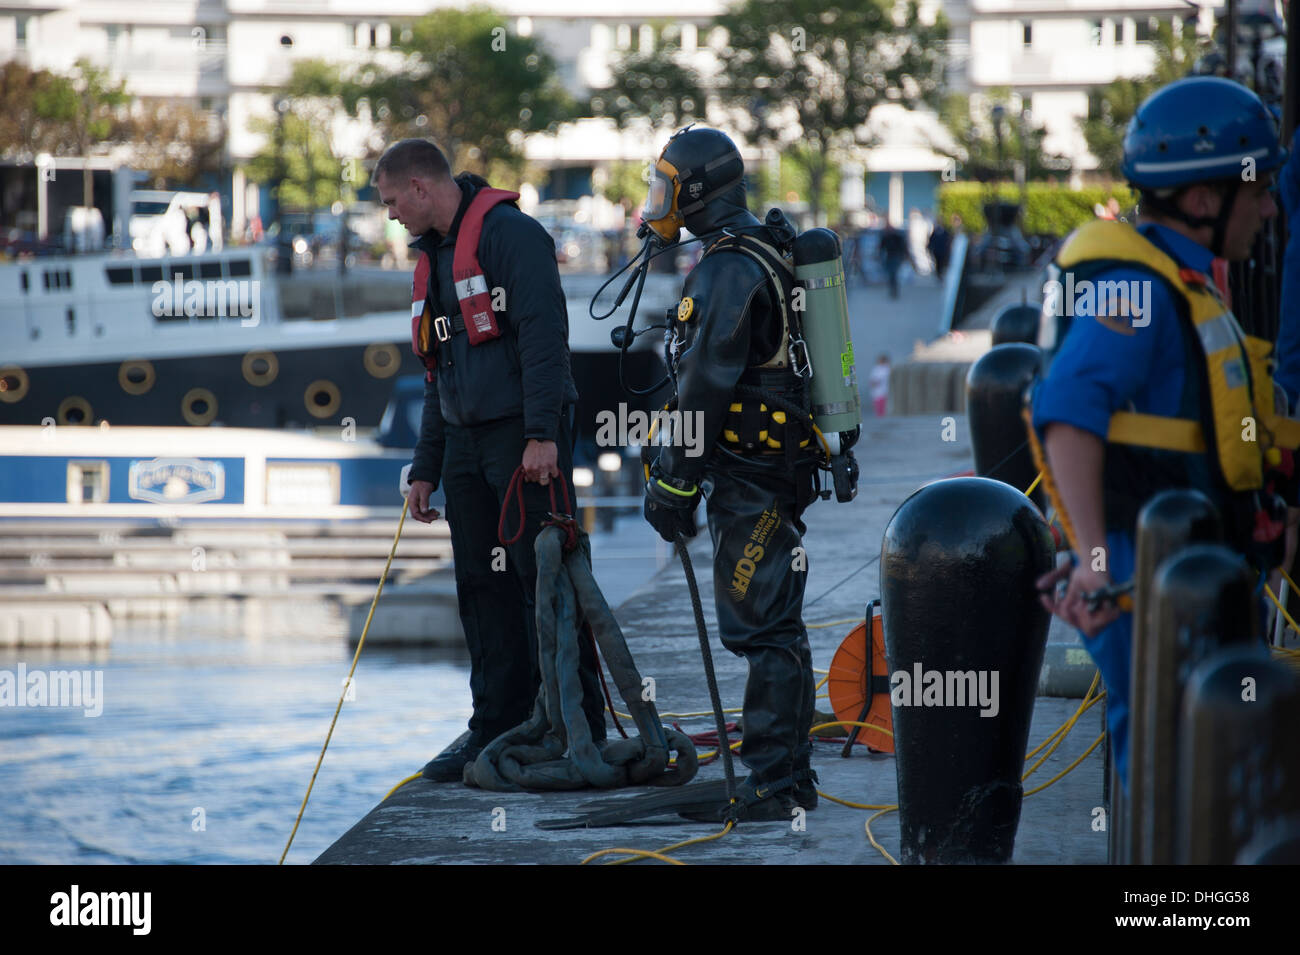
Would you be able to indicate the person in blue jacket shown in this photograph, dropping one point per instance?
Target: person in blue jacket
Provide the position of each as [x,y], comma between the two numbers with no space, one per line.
[1201,152]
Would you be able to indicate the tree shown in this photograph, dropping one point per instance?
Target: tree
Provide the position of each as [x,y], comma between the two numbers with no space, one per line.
[33,120]
[468,83]
[174,142]
[626,184]
[802,72]
[89,106]
[657,86]
[1111,107]
[1022,141]
[299,157]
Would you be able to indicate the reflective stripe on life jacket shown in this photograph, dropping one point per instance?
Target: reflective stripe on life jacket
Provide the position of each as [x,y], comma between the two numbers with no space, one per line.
[471,284]
[472,290]
[421,320]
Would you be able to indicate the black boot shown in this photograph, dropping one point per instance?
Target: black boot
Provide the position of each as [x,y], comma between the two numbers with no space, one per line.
[756,801]
[805,788]
[449,765]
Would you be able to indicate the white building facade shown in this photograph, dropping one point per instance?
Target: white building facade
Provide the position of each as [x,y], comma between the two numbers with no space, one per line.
[222,55]
[1051,52]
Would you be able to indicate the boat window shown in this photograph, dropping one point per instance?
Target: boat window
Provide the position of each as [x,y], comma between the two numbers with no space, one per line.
[240,267]
[87,482]
[26,281]
[58,279]
[120,275]
[184,269]
[209,270]
[150,274]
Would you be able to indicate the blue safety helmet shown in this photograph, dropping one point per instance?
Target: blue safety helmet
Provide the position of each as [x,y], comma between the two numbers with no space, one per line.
[1199,129]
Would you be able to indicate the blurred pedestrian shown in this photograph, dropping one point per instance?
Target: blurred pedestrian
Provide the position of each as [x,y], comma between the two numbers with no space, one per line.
[918,232]
[940,248]
[216,227]
[893,253]
[878,383]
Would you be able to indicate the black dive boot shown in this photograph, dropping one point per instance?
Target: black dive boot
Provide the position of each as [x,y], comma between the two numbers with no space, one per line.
[756,801]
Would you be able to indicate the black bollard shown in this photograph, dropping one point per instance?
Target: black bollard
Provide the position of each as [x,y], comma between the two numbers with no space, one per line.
[1239,760]
[995,388]
[1166,524]
[1276,843]
[1201,600]
[961,614]
[1016,323]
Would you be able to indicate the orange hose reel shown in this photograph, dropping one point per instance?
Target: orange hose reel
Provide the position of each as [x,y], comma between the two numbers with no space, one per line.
[851,669]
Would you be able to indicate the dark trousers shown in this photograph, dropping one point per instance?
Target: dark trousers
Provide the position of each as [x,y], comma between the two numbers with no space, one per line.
[891,273]
[758,590]
[498,597]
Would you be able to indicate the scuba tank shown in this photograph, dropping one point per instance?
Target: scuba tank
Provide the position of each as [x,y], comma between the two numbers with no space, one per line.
[823,352]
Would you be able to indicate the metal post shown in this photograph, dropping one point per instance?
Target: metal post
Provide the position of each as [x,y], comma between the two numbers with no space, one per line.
[1202,600]
[1170,521]
[1239,761]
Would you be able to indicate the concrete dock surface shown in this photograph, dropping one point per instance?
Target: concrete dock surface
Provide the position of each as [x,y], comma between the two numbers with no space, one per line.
[425,822]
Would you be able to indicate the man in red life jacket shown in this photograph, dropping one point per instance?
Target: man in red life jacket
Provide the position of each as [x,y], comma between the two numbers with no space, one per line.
[490,322]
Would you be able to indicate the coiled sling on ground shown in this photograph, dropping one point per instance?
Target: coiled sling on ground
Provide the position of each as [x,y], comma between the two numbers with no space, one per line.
[554,748]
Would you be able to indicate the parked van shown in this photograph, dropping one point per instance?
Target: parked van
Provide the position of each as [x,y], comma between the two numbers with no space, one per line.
[159,221]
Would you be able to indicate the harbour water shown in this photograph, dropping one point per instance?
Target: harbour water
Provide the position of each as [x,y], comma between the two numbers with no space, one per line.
[211,725]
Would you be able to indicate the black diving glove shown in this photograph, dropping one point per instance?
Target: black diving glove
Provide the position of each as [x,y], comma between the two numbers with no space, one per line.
[670,505]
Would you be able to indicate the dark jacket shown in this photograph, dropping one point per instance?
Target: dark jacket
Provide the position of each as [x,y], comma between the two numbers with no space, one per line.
[524,373]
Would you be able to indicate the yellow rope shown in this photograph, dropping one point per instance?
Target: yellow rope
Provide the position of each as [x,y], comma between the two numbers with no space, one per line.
[1287,578]
[882,849]
[1069,768]
[851,805]
[1030,490]
[400,785]
[1271,596]
[1096,677]
[868,726]
[642,853]
[833,623]
[348,683]
[681,716]
[636,854]
[1064,730]
[1049,485]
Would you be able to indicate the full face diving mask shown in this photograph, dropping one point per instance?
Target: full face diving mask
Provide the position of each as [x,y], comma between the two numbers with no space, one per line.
[660,211]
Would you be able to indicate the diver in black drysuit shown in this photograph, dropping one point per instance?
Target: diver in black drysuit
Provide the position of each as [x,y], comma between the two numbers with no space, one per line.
[729,325]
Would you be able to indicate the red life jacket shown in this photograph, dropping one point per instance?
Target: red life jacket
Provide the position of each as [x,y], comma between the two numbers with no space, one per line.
[479,320]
